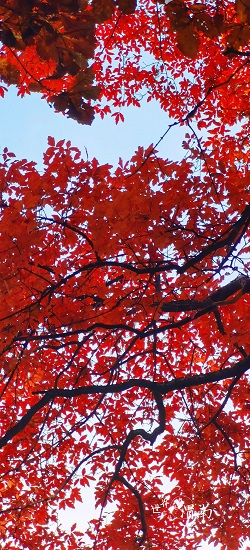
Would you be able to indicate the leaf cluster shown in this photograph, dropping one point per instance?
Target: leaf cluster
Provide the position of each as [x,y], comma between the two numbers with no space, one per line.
[124,312]
[59,38]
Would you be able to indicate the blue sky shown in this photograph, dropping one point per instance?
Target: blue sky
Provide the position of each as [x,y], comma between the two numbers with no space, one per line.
[27,122]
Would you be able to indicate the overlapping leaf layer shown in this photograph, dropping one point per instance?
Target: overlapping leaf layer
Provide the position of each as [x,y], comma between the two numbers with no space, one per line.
[124,317]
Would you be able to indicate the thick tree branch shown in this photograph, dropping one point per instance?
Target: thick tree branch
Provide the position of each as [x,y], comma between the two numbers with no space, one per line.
[157,388]
[232,52]
[241,285]
[21,424]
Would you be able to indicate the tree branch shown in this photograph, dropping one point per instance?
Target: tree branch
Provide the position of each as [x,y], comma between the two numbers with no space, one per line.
[141,507]
[157,388]
[219,297]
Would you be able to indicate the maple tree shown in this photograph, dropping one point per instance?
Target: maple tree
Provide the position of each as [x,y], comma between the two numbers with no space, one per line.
[125,290]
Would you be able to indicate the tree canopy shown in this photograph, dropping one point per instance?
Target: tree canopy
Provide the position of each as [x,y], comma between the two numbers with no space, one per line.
[124,318]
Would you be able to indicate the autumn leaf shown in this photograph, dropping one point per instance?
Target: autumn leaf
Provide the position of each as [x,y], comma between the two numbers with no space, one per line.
[103,10]
[243,10]
[74,107]
[188,41]
[178,14]
[205,24]
[8,72]
[127,6]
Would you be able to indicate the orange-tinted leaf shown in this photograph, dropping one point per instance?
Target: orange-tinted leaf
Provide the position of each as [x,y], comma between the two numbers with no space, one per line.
[127,6]
[188,41]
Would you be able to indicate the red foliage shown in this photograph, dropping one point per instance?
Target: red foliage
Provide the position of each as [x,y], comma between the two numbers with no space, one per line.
[124,317]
